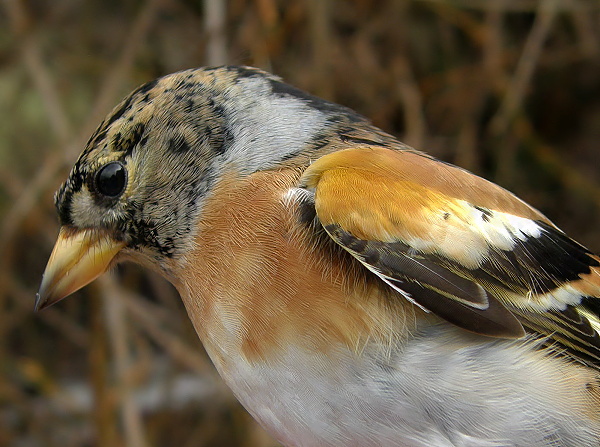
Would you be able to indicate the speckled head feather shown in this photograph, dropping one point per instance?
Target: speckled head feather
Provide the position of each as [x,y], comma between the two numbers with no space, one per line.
[176,135]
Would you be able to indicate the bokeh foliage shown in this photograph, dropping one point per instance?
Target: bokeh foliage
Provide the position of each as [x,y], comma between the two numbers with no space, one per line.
[507,88]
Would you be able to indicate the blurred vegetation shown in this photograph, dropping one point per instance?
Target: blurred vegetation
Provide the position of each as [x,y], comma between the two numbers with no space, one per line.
[509,89]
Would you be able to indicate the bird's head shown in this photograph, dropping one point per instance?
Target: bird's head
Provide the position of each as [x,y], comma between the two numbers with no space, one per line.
[137,190]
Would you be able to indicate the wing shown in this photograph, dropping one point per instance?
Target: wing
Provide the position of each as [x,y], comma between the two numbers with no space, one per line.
[458,245]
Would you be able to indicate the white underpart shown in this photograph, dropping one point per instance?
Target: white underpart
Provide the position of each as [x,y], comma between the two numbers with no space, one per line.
[444,388]
[267,127]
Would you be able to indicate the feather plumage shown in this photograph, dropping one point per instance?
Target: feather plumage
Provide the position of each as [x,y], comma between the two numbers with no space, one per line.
[459,246]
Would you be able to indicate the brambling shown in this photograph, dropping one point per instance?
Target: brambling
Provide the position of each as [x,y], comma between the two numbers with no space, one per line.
[350,290]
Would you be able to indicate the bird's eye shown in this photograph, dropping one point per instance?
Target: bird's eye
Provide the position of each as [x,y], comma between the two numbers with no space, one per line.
[111,179]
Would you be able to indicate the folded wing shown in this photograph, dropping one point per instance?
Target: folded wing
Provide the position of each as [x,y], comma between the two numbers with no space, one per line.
[458,245]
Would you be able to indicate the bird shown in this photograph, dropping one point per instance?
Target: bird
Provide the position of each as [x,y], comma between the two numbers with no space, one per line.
[349,289]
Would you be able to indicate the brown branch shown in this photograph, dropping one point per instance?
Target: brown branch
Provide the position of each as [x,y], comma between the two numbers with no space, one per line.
[214,24]
[320,41]
[37,70]
[116,327]
[517,6]
[52,164]
[526,66]
[412,102]
[104,415]
[113,82]
[148,317]
[587,33]
[23,299]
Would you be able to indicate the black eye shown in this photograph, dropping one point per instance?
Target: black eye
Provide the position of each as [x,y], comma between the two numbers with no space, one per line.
[111,179]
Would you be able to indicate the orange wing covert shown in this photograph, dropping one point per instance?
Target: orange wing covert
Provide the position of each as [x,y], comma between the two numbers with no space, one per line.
[459,246]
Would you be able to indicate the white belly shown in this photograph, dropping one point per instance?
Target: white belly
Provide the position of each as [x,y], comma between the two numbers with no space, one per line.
[447,388]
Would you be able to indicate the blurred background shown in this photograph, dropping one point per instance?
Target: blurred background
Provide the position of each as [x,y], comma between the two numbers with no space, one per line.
[509,89]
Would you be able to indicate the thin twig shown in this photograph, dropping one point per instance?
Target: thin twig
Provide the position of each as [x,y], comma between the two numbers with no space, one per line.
[320,39]
[411,99]
[104,414]
[37,70]
[587,32]
[514,6]
[147,316]
[52,164]
[214,24]
[23,299]
[116,326]
[516,90]
[113,82]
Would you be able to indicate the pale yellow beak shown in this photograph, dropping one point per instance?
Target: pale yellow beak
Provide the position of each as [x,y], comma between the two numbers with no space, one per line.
[79,257]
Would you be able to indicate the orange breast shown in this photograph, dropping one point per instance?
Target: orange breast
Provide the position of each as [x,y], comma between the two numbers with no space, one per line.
[258,280]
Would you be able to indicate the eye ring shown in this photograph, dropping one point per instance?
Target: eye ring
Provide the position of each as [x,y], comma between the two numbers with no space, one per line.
[110,180]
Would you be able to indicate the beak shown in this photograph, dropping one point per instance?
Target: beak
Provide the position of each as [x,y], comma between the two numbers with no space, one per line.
[78,257]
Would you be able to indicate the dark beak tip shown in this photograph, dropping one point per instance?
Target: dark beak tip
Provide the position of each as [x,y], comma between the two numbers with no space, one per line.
[40,304]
